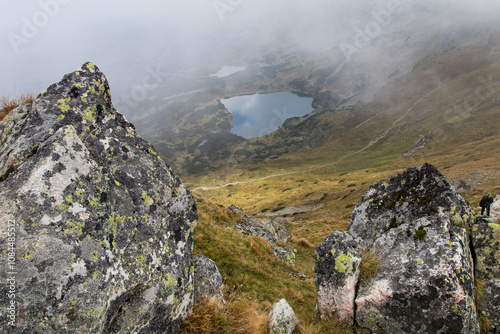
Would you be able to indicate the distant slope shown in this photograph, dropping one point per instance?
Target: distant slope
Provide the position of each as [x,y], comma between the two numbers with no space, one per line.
[347,92]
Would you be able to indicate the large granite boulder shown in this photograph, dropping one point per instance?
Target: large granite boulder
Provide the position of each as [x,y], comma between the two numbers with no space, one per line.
[486,243]
[103,228]
[336,275]
[406,197]
[424,282]
[414,222]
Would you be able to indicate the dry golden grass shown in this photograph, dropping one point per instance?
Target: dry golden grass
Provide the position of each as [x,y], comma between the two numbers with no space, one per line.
[369,265]
[7,104]
[295,295]
[484,321]
[304,243]
[239,316]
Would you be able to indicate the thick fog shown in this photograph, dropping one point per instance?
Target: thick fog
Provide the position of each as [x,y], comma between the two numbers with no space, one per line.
[42,40]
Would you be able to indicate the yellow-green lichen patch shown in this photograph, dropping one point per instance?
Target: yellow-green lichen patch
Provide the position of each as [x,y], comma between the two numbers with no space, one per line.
[74,228]
[89,114]
[90,66]
[62,104]
[343,263]
[147,200]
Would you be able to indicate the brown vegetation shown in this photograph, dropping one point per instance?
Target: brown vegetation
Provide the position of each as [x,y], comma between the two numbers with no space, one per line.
[7,104]
[238,315]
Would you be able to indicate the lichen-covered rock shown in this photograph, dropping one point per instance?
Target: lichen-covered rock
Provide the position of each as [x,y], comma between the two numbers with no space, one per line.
[424,283]
[486,243]
[207,280]
[103,227]
[282,319]
[271,230]
[285,253]
[416,193]
[425,280]
[337,273]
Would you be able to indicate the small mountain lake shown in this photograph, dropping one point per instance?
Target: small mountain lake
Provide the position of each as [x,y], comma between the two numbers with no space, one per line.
[259,114]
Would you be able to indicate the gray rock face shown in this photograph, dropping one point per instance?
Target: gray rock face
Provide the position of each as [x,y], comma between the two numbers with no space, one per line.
[103,227]
[282,318]
[207,279]
[486,242]
[424,282]
[337,273]
[271,230]
[286,254]
[416,193]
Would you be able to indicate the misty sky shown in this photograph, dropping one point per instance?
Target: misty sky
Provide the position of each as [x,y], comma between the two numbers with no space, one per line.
[43,40]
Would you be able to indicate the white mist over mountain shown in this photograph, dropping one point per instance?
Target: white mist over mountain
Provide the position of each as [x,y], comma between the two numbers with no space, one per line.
[130,40]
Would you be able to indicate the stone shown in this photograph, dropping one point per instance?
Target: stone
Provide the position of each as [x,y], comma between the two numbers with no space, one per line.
[463,185]
[103,227]
[272,230]
[416,224]
[285,253]
[282,318]
[406,197]
[336,275]
[207,280]
[424,283]
[486,244]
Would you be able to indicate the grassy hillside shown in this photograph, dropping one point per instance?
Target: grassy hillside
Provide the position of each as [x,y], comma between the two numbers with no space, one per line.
[446,112]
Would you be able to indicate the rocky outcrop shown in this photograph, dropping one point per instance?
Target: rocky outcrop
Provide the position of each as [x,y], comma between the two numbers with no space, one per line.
[406,197]
[414,222]
[486,242]
[271,230]
[103,228]
[336,275]
[207,280]
[282,319]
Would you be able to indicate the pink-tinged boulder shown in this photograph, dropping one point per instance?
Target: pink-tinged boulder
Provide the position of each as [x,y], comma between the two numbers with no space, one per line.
[424,283]
[337,273]
[415,221]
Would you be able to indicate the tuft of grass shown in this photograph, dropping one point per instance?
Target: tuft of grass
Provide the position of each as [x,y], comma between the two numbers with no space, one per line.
[479,286]
[369,266]
[239,315]
[304,243]
[485,322]
[7,104]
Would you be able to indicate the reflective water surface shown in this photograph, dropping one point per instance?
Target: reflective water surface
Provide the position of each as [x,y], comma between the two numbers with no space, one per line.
[259,114]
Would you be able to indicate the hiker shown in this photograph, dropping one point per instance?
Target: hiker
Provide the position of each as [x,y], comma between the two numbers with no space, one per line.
[485,203]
